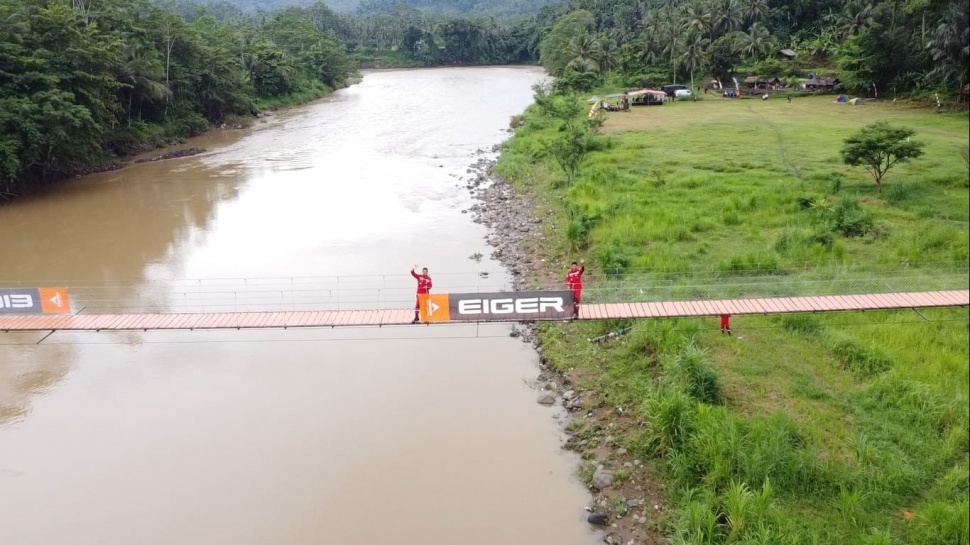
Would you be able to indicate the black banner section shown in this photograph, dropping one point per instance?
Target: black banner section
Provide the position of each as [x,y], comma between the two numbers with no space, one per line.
[510,306]
[20,301]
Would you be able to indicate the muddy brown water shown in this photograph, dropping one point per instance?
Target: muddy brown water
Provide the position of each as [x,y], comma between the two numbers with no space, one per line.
[423,435]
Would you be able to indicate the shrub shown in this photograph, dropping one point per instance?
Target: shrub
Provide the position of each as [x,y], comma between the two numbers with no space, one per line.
[691,369]
[670,413]
[856,357]
[613,261]
[751,263]
[805,324]
[850,219]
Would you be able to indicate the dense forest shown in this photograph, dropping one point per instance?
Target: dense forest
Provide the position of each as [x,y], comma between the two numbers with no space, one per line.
[873,46]
[81,79]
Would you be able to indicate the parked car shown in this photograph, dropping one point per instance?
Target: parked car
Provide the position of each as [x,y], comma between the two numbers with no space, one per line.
[681,93]
[672,90]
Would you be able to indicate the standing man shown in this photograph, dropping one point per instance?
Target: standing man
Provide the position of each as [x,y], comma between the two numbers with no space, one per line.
[424,287]
[574,279]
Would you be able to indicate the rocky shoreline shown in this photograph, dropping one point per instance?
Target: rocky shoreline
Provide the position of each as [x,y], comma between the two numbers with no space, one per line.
[627,500]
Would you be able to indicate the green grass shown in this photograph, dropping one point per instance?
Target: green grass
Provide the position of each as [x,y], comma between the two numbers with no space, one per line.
[797,429]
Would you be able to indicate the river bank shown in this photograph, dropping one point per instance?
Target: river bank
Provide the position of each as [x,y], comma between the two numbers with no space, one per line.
[138,149]
[627,497]
[791,414]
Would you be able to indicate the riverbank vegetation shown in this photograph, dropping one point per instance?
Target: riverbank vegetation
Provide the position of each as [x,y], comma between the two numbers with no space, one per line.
[84,81]
[797,429]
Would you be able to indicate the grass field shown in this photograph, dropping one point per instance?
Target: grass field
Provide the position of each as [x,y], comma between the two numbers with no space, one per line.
[848,428]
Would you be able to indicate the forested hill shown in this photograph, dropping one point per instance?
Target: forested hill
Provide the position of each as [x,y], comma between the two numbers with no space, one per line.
[494,8]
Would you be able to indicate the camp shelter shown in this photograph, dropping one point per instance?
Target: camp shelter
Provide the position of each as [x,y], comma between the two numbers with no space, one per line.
[647,97]
[821,83]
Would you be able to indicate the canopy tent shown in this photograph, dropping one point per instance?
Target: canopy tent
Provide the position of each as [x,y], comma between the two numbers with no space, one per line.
[593,100]
[640,92]
[616,95]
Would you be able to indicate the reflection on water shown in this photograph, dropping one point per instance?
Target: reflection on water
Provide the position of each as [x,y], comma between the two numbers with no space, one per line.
[423,435]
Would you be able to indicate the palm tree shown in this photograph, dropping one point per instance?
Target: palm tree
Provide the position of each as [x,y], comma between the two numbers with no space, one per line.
[756,42]
[756,11]
[584,54]
[950,44]
[729,18]
[856,16]
[673,46]
[693,54]
[141,75]
[698,19]
[609,53]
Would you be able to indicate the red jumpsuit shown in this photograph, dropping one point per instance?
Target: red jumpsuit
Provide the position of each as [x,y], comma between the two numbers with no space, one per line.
[424,287]
[574,279]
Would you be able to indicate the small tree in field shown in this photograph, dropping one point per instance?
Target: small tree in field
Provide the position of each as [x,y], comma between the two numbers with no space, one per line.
[880,146]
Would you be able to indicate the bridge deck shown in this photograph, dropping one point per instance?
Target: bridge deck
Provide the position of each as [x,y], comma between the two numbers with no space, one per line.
[595,311]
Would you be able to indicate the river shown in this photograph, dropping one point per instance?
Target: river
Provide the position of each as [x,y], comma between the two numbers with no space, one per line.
[401,435]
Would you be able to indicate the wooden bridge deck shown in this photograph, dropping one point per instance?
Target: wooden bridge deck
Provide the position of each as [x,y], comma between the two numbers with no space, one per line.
[595,311]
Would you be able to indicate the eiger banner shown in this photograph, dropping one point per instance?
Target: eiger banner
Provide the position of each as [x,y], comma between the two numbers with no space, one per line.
[33,301]
[507,306]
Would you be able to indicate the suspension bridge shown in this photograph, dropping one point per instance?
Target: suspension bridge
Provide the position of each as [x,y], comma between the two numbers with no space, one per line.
[388,300]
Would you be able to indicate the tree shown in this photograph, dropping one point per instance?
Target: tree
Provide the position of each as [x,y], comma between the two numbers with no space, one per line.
[577,133]
[584,54]
[554,49]
[722,56]
[693,55]
[569,150]
[879,147]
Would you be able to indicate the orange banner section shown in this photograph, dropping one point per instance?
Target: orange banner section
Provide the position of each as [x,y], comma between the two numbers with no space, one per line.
[434,307]
[54,300]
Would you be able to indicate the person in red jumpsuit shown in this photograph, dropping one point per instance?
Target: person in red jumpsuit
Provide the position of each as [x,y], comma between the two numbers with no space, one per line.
[574,279]
[725,324]
[424,287]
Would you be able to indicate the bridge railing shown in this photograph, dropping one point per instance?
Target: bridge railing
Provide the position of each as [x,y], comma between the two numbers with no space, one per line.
[776,282]
[397,290]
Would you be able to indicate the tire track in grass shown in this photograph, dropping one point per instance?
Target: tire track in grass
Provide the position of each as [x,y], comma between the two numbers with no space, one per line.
[782,148]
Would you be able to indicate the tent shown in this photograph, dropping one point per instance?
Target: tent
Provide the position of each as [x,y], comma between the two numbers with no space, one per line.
[856,101]
[593,100]
[640,92]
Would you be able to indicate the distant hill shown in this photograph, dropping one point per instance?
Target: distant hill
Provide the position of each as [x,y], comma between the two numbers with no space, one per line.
[497,8]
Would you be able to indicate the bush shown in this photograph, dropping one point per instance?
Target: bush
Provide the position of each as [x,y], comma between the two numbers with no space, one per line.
[691,370]
[861,359]
[576,82]
[806,324]
[850,219]
[754,263]
[613,261]
[670,413]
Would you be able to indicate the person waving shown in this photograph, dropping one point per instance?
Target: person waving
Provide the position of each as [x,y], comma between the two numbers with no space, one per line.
[574,279]
[424,288]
